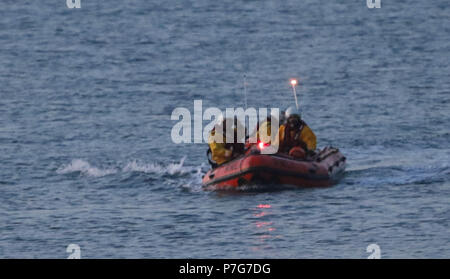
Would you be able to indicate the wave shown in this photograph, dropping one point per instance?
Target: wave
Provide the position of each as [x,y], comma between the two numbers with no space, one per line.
[375,166]
[171,169]
[79,165]
[399,175]
[186,177]
[84,167]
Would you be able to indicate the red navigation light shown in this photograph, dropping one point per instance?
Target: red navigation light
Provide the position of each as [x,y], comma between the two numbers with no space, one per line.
[261,145]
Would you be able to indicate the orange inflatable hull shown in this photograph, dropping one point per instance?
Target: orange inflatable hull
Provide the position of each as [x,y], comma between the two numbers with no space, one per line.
[257,169]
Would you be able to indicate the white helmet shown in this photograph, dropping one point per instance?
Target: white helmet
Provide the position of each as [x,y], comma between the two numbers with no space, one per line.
[293,112]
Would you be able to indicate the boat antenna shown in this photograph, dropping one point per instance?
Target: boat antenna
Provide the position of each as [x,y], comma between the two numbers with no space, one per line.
[245,103]
[245,91]
[294,83]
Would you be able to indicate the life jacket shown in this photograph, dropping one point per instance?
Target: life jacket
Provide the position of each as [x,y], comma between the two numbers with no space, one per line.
[289,142]
[218,150]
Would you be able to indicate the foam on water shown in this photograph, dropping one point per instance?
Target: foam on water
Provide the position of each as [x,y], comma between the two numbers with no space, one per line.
[79,165]
[172,169]
[157,168]
[187,177]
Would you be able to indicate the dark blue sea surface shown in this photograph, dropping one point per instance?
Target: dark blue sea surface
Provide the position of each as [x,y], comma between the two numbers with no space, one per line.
[86,155]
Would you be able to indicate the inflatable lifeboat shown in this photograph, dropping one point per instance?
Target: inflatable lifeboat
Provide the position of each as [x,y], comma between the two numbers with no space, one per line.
[320,170]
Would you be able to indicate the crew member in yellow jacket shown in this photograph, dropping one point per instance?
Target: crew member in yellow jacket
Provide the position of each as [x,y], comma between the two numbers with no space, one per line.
[221,150]
[295,132]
